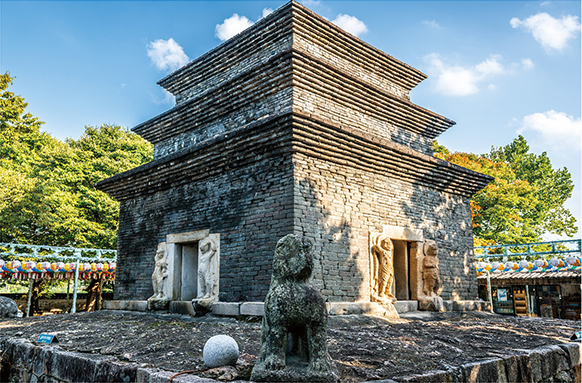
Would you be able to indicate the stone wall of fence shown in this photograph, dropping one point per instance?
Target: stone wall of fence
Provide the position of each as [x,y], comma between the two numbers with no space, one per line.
[23,361]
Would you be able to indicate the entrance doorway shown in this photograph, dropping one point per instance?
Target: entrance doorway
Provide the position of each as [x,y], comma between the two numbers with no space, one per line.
[188,270]
[401,286]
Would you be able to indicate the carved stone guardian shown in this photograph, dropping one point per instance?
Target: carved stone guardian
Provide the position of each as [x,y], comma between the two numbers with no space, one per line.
[382,266]
[293,333]
[431,282]
[208,270]
[160,299]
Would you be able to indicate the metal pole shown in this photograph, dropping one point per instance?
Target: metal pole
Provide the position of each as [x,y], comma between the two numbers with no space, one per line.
[29,301]
[74,308]
[489,293]
[528,300]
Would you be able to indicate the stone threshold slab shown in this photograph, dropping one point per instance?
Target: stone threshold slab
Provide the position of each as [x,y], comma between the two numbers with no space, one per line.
[235,309]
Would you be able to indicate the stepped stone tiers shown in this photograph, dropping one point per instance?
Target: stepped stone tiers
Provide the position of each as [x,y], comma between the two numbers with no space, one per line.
[294,127]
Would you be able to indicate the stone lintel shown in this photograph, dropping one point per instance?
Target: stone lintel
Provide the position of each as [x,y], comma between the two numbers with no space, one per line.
[402,233]
[188,237]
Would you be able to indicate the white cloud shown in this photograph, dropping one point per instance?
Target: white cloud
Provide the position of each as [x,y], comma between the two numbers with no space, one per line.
[431,24]
[236,24]
[232,26]
[555,128]
[491,87]
[527,64]
[457,80]
[167,54]
[167,99]
[550,32]
[350,24]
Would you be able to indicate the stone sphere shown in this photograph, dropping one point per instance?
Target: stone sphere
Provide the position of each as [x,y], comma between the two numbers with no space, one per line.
[220,350]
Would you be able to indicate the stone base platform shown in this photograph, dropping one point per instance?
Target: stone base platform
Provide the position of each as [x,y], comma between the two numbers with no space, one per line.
[235,309]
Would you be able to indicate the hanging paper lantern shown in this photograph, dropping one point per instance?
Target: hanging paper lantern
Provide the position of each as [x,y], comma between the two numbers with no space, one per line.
[570,260]
[481,265]
[106,267]
[16,264]
[554,262]
[488,267]
[93,266]
[99,267]
[495,265]
[86,267]
[54,267]
[112,265]
[61,267]
[578,262]
[561,263]
[523,264]
[539,263]
[2,263]
[46,265]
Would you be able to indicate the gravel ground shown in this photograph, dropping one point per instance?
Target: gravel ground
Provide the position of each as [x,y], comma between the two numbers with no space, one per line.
[362,347]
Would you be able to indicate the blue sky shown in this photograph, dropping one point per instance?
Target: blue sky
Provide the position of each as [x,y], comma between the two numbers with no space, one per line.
[497,68]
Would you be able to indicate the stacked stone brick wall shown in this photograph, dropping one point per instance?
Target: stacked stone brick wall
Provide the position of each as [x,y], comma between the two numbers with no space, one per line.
[341,197]
[241,188]
[244,99]
[250,49]
[330,44]
[293,126]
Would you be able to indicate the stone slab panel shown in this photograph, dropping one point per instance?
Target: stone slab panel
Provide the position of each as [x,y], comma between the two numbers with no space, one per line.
[487,371]
[554,359]
[403,233]
[406,306]
[252,308]
[353,308]
[182,307]
[189,237]
[126,305]
[152,375]
[574,350]
[226,308]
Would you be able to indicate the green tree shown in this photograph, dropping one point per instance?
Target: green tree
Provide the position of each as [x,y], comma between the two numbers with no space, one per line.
[526,198]
[47,195]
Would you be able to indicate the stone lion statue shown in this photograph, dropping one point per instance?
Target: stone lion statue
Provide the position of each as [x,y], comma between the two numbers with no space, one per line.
[293,334]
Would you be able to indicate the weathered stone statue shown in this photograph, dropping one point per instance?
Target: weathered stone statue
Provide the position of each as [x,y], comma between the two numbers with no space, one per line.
[382,258]
[293,334]
[160,300]
[431,282]
[430,270]
[208,270]
[9,308]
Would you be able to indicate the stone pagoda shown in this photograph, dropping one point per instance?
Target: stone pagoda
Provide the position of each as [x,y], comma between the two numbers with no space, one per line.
[294,126]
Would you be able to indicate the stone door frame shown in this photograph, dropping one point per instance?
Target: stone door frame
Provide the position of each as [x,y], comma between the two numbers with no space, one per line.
[176,272]
[416,239]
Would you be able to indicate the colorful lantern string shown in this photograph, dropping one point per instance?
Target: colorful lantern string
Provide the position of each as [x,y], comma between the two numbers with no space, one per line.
[539,265]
